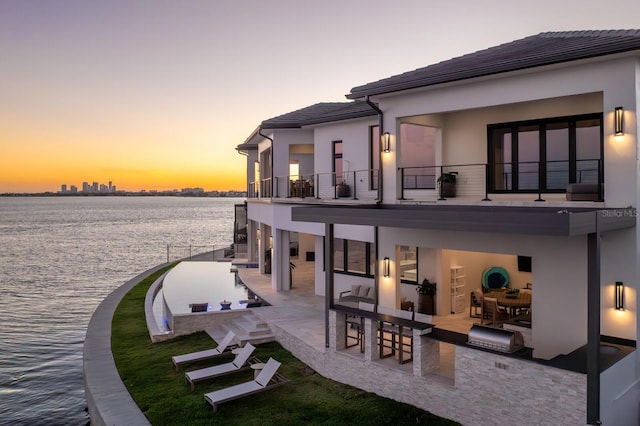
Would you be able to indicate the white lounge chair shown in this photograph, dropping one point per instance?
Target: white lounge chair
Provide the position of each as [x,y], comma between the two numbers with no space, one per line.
[267,379]
[239,363]
[224,347]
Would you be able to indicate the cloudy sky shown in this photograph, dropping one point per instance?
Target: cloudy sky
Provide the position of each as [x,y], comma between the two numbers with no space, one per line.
[157,94]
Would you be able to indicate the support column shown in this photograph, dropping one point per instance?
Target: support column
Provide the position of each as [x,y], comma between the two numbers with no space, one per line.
[426,354]
[371,340]
[337,330]
[252,242]
[593,326]
[328,277]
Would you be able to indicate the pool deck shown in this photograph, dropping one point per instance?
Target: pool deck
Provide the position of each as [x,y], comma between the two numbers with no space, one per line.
[299,311]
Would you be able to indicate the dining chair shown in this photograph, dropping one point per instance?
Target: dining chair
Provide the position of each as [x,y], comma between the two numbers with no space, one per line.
[475,303]
[388,333]
[491,314]
[405,337]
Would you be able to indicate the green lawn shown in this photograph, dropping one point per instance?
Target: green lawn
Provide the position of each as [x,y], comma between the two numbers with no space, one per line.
[309,398]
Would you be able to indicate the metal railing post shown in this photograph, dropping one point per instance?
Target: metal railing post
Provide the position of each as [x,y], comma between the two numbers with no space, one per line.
[354,185]
[540,181]
[440,183]
[401,172]
[487,180]
[317,189]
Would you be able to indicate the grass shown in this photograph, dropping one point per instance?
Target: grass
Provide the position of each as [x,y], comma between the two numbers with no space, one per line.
[310,399]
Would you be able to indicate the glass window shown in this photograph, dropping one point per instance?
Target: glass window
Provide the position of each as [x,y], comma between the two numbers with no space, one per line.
[338,254]
[408,262]
[337,162]
[587,151]
[563,150]
[501,159]
[356,257]
[372,258]
[557,152]
[528,157]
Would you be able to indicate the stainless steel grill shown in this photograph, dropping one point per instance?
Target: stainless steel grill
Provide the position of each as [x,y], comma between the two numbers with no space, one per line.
[495,339]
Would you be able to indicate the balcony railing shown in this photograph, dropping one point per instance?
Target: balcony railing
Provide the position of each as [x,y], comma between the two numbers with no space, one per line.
[478,180]
[483,179]
[353,185]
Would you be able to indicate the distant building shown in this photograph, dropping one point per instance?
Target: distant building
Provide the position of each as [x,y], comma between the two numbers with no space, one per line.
[63,188]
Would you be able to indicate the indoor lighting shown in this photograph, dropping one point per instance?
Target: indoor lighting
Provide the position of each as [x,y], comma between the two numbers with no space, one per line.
[386,267]
[619,296]
[386,142]
[619,121]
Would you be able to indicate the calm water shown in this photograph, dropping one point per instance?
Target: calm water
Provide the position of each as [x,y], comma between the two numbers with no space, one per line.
[59,257]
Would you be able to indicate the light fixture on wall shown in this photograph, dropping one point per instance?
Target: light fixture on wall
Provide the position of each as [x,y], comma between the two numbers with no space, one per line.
[618,123]
[270,241]
[385,139]
[619,296]
[386,267]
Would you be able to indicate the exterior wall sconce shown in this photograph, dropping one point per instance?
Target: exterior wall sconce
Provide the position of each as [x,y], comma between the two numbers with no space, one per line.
[386,267]
[619,296]
[385,139]
[618,121]
[270,241]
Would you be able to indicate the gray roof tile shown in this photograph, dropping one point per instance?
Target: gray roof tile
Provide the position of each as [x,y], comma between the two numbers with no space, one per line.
[533,51]
[322,112]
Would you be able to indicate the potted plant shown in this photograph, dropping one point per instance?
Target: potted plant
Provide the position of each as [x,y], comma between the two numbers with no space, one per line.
[292,266]
[426,297]
[343,189]
[447,184]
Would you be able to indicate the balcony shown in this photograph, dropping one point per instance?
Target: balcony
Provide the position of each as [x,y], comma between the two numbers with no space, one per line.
[523,182]
[355,186]
[580,180]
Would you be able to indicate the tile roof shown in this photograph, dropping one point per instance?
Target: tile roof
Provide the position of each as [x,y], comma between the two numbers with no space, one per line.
[322,112]
[533,51]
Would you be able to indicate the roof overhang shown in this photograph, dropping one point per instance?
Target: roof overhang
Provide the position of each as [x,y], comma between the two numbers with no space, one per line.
[546,221]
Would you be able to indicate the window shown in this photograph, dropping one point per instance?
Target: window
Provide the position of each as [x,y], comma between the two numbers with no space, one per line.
[354,257]
[408,261]
[337,163]
[374,142]
[418,158]
[338,254]
[545,154]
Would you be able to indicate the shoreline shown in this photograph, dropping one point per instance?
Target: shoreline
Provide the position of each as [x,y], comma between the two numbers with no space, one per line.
[108,400]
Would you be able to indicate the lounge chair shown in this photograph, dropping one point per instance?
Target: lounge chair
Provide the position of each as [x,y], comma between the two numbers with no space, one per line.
[239,363]
[223,348]
[267,379]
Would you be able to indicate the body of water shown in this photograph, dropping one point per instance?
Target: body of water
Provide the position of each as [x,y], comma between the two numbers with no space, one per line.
[59,258]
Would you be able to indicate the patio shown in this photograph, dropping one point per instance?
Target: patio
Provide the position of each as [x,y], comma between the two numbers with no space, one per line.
[300,314]
[297,320]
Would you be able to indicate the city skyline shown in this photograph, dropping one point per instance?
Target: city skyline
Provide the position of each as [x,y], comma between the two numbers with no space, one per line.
[96,187]
[158,96]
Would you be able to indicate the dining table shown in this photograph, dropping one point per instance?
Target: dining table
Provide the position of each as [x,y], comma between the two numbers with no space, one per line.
[512,302]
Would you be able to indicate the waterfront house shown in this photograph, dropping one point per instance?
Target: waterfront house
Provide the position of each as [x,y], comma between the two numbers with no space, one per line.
[540,136]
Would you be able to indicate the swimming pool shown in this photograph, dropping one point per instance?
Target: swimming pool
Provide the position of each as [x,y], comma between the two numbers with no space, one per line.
[200,283]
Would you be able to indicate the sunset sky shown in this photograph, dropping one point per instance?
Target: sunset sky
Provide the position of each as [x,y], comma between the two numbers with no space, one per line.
[157,94]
